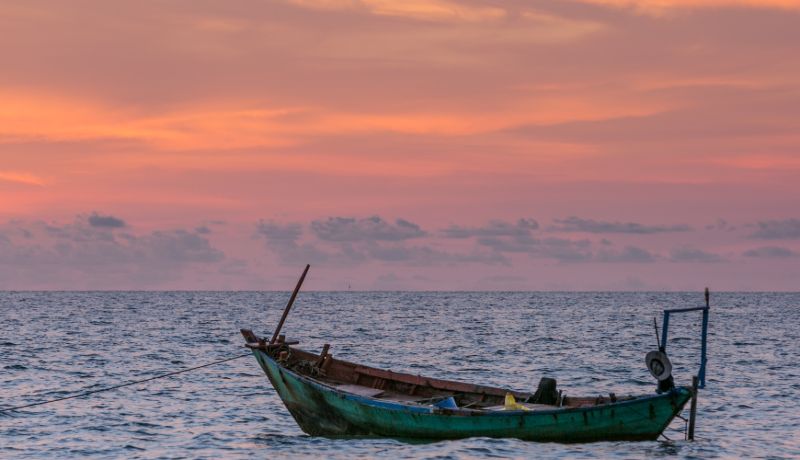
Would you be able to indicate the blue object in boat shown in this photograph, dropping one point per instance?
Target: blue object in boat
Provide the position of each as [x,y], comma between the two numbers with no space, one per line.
[447,403]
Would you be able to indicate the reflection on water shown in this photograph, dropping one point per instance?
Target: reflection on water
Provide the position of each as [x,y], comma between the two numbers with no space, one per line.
[54,344]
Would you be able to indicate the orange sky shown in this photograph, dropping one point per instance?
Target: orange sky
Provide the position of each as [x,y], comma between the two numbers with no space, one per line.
[202,144]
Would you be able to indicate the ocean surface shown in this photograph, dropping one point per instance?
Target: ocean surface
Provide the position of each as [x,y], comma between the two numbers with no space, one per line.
[55,344]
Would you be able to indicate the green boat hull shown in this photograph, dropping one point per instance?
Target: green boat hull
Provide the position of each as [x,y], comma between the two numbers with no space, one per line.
[322,410]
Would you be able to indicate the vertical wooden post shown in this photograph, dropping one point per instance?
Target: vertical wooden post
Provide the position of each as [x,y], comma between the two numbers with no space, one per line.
[289,305]
[703,343]
[322,355]
[693,409]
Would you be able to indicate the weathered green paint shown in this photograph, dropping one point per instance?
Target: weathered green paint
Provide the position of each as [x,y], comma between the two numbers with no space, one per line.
[321,410]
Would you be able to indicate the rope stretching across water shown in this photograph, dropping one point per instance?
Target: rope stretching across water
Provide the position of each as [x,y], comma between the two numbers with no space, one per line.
[87,393]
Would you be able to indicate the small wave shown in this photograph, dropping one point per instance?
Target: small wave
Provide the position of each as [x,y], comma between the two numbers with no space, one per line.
[749,401]
[132,447]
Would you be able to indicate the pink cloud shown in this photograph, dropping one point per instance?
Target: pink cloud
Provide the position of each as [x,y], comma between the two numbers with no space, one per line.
[459,117]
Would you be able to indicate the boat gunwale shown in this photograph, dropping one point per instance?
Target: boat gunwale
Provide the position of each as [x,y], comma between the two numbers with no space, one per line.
[409,406]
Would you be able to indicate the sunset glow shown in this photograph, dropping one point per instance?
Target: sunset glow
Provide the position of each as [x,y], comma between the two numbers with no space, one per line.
[576,145]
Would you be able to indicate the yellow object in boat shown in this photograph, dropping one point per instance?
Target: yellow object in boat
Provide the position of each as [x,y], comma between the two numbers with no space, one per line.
[512,404]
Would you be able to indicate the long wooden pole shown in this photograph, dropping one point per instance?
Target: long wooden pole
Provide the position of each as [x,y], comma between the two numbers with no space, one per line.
[289,305]
[693,408]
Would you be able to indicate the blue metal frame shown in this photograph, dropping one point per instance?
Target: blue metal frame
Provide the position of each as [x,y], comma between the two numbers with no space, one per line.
[701,374]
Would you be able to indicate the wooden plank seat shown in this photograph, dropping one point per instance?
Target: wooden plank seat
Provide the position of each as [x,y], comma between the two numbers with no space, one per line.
[360,390]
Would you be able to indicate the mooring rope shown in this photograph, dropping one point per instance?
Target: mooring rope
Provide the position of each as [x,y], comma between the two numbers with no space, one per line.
[127,384]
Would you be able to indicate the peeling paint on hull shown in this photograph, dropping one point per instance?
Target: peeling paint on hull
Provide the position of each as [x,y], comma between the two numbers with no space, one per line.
[321,410]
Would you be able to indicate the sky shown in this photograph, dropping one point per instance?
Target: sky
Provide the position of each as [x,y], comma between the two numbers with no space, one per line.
[414,145]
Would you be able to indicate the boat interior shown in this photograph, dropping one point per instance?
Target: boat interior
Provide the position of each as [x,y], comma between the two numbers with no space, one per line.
[387,385]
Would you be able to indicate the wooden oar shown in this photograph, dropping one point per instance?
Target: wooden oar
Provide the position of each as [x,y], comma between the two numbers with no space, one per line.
[289,305]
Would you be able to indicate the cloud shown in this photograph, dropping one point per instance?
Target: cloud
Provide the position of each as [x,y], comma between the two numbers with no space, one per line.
[689,254]
[519,243]
[662,7]
[441,29]
[428,256]
[721,225]
[708,130]
[83,255]
[21,178]
[507,237]
[277,232]
[576,224]
[99,221]
[566,250]
[283,240]
[500,236]
[503,237]
[350,241]
[629,254]
[495,228]
[777,229]
[80,255]
[563,250]
[176,246]
[423,10]
[406,107]
[771,252]
[348,229]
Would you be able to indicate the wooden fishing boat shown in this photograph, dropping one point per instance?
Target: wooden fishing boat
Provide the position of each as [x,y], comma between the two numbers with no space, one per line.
[333,397]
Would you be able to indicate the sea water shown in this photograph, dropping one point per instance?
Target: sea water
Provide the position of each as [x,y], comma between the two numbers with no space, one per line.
[55,344]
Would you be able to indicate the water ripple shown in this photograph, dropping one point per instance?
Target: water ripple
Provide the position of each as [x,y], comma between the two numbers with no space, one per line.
[593,343]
